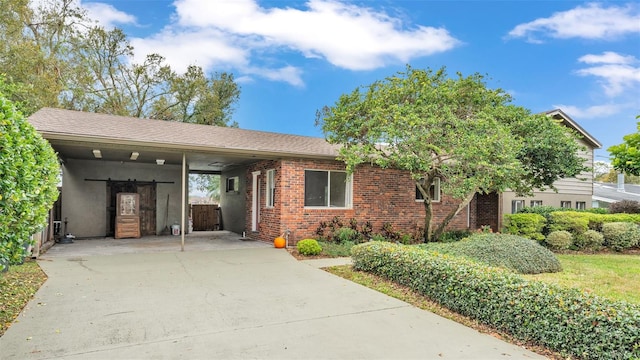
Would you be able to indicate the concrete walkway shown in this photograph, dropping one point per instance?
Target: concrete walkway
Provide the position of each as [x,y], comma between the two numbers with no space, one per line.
[250,303]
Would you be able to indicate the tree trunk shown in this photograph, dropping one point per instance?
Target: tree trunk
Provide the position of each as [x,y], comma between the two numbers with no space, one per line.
[440,229]
[428,210]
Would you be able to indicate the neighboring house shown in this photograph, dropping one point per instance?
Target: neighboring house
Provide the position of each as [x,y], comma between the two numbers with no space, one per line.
[574,193]
[270,183]
[604,194]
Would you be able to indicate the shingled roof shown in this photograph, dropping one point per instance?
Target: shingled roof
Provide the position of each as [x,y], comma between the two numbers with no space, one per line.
[59,124]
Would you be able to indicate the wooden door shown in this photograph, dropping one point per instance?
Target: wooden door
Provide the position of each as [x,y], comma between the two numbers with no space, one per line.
[147,194]
[487,210]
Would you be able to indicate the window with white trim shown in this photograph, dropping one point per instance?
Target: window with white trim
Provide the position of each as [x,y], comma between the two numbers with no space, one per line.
[327,188]
[434,191]
[581,205]
[271,187]
[536,203]
[565,204]
[516,205]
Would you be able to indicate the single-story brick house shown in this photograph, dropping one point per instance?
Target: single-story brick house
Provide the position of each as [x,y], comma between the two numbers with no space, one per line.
[271,182]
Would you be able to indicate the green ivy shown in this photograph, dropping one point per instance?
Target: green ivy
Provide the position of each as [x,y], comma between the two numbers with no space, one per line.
[28,182]
[576,324]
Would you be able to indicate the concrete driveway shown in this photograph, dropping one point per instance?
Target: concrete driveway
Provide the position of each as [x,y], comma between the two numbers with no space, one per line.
[245,303]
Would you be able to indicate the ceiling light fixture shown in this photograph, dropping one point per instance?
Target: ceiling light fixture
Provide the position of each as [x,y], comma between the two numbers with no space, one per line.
[97,153]
[160,161]
[134,155]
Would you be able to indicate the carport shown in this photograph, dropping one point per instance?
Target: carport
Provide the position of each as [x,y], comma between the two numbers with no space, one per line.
[103,155]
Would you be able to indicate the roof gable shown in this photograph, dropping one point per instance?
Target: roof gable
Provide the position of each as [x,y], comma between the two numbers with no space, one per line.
[569,122]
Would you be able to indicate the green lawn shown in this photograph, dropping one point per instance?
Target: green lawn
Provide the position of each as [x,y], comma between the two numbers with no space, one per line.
[613,276]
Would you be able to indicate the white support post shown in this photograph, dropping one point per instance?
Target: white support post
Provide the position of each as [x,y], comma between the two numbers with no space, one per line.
[184,195]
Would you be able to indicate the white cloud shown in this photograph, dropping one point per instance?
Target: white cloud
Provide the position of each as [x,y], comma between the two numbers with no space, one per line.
[207,49]
[616,72]
[591,21]
[348,36]
[597,111]
[107,15]
[242,35]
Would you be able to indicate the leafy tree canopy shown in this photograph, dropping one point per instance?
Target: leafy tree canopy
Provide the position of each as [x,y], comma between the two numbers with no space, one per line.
[28,182]
[455,129]
[625,157]
[58,57]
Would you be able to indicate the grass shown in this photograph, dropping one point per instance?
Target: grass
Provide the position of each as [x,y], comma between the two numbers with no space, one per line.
[17,287]
[614,276]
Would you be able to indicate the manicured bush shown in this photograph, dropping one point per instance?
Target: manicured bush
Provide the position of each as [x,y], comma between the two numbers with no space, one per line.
[309,247]
[574,323]
[28,182]
[621,236]
[559,240]
[597,220]
[513,252]
[591,239]
[625,206]
[572,221]
[523,224]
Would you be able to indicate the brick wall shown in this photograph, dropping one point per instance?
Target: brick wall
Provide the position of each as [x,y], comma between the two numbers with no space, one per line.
[379,196]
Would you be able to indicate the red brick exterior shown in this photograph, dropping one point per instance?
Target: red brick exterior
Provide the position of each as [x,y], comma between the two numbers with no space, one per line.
[379,196]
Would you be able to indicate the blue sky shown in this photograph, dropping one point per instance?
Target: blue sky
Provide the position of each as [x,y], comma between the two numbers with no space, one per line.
[293,57]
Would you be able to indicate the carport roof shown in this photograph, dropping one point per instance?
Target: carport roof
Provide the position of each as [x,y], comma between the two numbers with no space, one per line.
[65,127]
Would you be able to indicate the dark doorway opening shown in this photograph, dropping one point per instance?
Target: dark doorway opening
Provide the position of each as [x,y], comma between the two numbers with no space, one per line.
[147,192]
[487,210]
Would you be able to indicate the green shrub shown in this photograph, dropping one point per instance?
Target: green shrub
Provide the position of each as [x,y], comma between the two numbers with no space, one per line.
[573,323]
[513,252]
[309,247]
[345,234]
[28,182]
[559,240]
[454,235]
[332,249]
[620,235]
[572,221]
[625,206]
[378,237]
[591,239]
[597,220]
[527,225]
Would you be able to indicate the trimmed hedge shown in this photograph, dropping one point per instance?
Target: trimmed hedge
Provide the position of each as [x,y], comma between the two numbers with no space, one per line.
[566,320]
[524,256]
[527,225]
[574,222]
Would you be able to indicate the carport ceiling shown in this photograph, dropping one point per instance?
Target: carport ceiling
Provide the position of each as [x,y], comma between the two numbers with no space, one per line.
[197,161]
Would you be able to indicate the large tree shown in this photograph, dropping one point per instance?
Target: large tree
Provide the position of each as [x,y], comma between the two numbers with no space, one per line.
[625,157]
[28,182]
[455,129]
[58,57]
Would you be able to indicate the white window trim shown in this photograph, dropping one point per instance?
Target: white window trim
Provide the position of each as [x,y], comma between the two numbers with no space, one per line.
[436,191]
[348,192]
[270,187]
[514,208]
[236,184]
